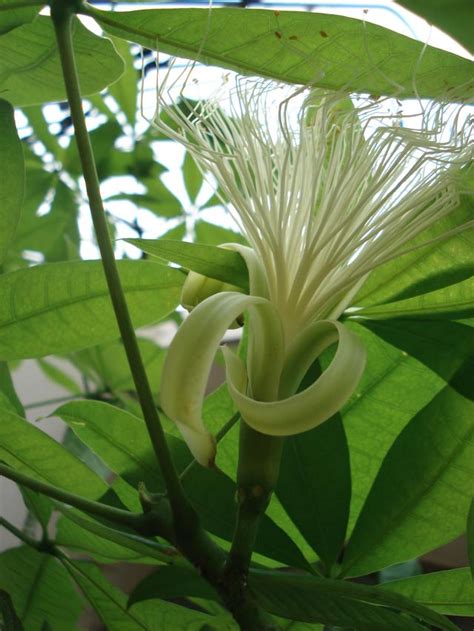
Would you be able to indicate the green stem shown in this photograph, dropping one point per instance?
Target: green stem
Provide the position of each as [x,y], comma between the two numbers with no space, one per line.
[23,4]
[257,475]
[18,533]
[135,521]
[62,14]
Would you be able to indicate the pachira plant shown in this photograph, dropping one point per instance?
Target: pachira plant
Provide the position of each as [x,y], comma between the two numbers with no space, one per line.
[342,441]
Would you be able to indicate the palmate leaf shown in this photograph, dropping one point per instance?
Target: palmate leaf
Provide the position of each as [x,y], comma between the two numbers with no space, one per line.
[40,589]
[11,18]
[334,602]
[62,307]
[450,592]
[433,267]
[420,498]
[12,182]
[328,50]
[111,605]
[35,76]
[29,450]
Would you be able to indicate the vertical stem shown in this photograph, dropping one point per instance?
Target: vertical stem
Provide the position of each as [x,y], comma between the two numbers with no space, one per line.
[259,464]
[62,14]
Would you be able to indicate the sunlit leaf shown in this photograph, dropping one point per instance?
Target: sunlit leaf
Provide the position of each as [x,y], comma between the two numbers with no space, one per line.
[420,498]
[298,47]
[35,76]
[62,307]
[12,182]
[40,589]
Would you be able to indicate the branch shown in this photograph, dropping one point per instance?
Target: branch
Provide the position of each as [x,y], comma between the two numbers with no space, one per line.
[62,14]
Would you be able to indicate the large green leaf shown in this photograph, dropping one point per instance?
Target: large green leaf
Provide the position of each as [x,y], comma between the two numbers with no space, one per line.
[172,582]
[314,486]
[62,307]
[35,76]
[445,347]
[117,437]
[40,589]
[208,260]
[378,412]
[452,302]
[12,182]
[329,50]
[11,18]
[432,266]
[111,605]
[420,498]
[334,602]
[450,592]
[26,448]
[452,16]
[106,365]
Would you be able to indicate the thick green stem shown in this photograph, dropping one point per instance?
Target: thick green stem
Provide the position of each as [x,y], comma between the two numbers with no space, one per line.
[257,475]
[62,14]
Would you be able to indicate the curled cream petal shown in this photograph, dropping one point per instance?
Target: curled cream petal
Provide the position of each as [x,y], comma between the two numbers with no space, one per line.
[316,404]
[190,356]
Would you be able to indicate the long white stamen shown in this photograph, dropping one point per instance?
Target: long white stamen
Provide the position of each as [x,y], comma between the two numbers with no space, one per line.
[327,193]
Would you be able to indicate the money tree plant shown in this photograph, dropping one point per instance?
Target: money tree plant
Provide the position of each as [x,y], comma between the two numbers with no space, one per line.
[340,446]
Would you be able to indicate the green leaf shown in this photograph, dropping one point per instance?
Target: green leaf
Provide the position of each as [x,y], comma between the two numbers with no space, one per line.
[107,366]
[314,486]
[8,615]
[161,203]
[470,537]
[62,307]
[377,413]
[119,439]
[334,602]
[211,234]
[452,16]
[432,266]
[420,498]
[56,375]
[103,145]
[111,605]
[76,531]
[12,182]
[450,592]
[193,178]
[35,76]
[445,347]
[11,18]
[453,302]
[7,389]
[220,263]
[26,448]
[327,50]
[125,89]
[172,582]
[40,588]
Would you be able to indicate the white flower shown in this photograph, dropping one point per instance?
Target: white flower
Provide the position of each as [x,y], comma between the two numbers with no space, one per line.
[325,192]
